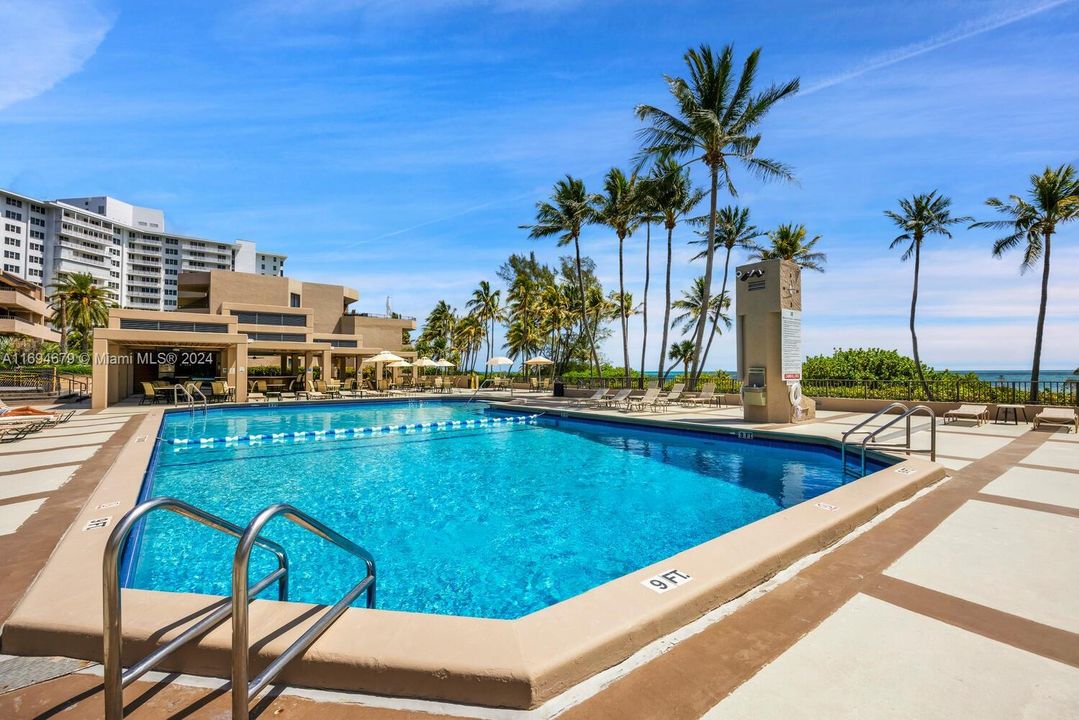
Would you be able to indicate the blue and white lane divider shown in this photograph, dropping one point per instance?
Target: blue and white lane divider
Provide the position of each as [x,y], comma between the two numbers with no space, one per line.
[359,431]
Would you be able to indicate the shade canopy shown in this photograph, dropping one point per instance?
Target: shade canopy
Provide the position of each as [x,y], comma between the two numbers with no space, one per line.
[539,361]
[443,362]
[499,360]
[425,362]
[383,357]
[400,364]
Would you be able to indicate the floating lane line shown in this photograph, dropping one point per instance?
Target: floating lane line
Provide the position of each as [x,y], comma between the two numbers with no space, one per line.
[356,431]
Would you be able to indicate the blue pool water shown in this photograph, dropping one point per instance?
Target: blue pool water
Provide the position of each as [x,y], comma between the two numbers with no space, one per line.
[495,520]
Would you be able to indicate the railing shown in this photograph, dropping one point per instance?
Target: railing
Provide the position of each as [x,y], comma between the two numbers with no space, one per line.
[1050,392]
[116,679]
[189,390]
[482,386]
[873,432]
[42,380]
[242,690]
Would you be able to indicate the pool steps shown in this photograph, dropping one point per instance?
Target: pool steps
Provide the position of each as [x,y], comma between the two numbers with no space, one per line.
[337,432]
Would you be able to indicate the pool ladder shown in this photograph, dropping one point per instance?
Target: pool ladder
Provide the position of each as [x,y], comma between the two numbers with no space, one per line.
[236,607]
[189,393]
[871,433]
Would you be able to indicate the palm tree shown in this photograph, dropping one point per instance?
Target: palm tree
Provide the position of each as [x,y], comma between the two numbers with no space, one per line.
[682,352]
[733,230]
[468,335]
[672,193]
[619,209]
[648,215]
[486,305]
[921,215]
[564,214]
[1053,200]
[716,121]
[788,243]
[691,304]
[84,306]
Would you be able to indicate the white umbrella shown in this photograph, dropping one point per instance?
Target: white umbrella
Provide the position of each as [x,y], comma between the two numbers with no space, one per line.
[444,363]
[383,357]
[426,362]
[539,361]
[498,361]
[400,364]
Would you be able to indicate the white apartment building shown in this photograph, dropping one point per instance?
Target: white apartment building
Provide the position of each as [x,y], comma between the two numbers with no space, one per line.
[126,248]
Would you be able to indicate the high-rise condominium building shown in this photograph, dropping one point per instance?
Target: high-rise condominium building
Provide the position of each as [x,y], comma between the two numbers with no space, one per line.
[126,248]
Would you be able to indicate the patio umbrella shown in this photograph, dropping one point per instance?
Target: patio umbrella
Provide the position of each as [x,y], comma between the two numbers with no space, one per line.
[426,362]
[383,357]
[444,363]
[538,362]
[499,361]
[400,364]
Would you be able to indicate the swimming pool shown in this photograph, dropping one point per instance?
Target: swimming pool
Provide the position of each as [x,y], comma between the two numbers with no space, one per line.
[488,519]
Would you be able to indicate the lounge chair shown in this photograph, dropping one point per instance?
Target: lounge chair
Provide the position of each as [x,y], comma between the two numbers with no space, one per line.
[675,395]
[10,432]
[977,413]
[311,392]
[618,398]
[650,398]
[707,396]
[595,399]
[26,412]
[1064,417]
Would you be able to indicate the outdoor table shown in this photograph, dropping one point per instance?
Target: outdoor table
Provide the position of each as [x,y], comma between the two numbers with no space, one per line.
[1013,410]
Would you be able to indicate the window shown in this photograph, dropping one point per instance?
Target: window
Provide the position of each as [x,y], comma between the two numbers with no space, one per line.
[12,228]
[37,235]
[11,254]
[13,202]
[11,268]
[13,215]
[277,337]
[263,318]
[172,325]
[294,299]
[40,222]
[12,241]
[37,208]
[34,259]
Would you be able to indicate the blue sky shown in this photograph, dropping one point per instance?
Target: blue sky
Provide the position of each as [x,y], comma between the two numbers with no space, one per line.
[396,147]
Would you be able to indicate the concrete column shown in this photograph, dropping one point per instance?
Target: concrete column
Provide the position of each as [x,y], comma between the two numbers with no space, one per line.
[241,372]
[99,399]
[307,370]
[327,365]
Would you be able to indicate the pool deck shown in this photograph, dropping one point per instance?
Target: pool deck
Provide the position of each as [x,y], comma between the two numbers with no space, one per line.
[963,602]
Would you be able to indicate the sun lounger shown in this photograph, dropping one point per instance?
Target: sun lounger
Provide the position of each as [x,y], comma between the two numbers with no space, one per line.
[650,398]
[675,395]
[617,399]
[1064,417]
[707,396]
[978,413]
[17,431]
[594,399]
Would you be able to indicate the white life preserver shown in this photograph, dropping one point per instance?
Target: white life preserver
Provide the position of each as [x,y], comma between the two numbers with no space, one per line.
[795,394]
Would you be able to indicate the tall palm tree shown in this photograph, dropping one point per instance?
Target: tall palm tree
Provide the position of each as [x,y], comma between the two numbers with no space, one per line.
[789,243]
[691,305]
[918,217]
[567,211]
[1053,200]
[619,209]
[486,306]
[733,230]
[716,121]
[85,306]
[682,352]
[649,214]
[672,193]
[468,336]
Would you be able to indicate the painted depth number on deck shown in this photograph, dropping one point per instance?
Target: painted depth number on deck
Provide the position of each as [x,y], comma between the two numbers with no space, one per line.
[666,581]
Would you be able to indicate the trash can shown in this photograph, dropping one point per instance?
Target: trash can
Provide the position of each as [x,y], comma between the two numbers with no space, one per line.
[559,388]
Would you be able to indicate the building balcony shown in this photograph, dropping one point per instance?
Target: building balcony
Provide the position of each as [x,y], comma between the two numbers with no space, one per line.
[18,326]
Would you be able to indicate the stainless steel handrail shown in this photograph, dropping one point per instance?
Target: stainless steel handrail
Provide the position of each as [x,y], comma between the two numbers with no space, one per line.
[116,679]
[242,690]
[186,390]
[858,429]
[905,416]
[477,391]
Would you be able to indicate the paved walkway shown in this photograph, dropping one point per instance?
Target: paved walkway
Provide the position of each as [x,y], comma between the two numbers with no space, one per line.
[962,603]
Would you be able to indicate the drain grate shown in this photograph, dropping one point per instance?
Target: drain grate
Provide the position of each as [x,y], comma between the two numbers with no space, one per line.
[20,672]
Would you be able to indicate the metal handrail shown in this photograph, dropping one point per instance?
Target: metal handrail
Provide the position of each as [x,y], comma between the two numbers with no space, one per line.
[116,679]
[242,690]
[858,429]
[905,416]
[186,390]
[478,389]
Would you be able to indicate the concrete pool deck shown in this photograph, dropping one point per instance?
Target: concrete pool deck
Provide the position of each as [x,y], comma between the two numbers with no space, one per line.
[976,570]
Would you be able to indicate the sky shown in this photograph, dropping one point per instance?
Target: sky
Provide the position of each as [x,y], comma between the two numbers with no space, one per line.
[397,147]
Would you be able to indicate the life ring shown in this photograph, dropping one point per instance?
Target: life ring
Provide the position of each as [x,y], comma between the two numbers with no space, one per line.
[795,394]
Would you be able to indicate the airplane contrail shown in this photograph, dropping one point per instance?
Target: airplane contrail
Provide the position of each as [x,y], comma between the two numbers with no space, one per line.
[961,32]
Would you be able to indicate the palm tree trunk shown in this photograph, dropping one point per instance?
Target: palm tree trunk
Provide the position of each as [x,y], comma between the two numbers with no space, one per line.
[913,310]
[622,312]
[666,309]
[698,342]
[715,320]
[585,331]
[1035,372]
[63,327]
[644,307]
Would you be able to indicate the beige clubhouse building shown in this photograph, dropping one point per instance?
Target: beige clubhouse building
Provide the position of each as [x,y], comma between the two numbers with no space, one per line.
[226,322]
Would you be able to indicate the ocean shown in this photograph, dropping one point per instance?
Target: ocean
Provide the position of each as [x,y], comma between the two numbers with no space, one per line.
[994,375]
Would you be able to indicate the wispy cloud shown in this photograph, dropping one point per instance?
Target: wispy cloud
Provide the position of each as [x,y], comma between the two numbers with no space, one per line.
[46,41]
[959,33]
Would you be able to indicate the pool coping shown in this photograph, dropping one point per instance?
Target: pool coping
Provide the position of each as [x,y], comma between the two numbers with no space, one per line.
[517,664]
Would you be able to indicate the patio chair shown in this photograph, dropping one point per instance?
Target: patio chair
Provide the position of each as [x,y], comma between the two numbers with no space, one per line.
[54,417]
[219,391]
[707,396]
[290,391]
[675,394]
[977,413]
[256,390]
[12,432]
[1064,417]
[311,392]
[650,398]
[151,395]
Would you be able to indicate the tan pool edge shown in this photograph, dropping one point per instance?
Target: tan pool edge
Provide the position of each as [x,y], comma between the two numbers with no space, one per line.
[501,663]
